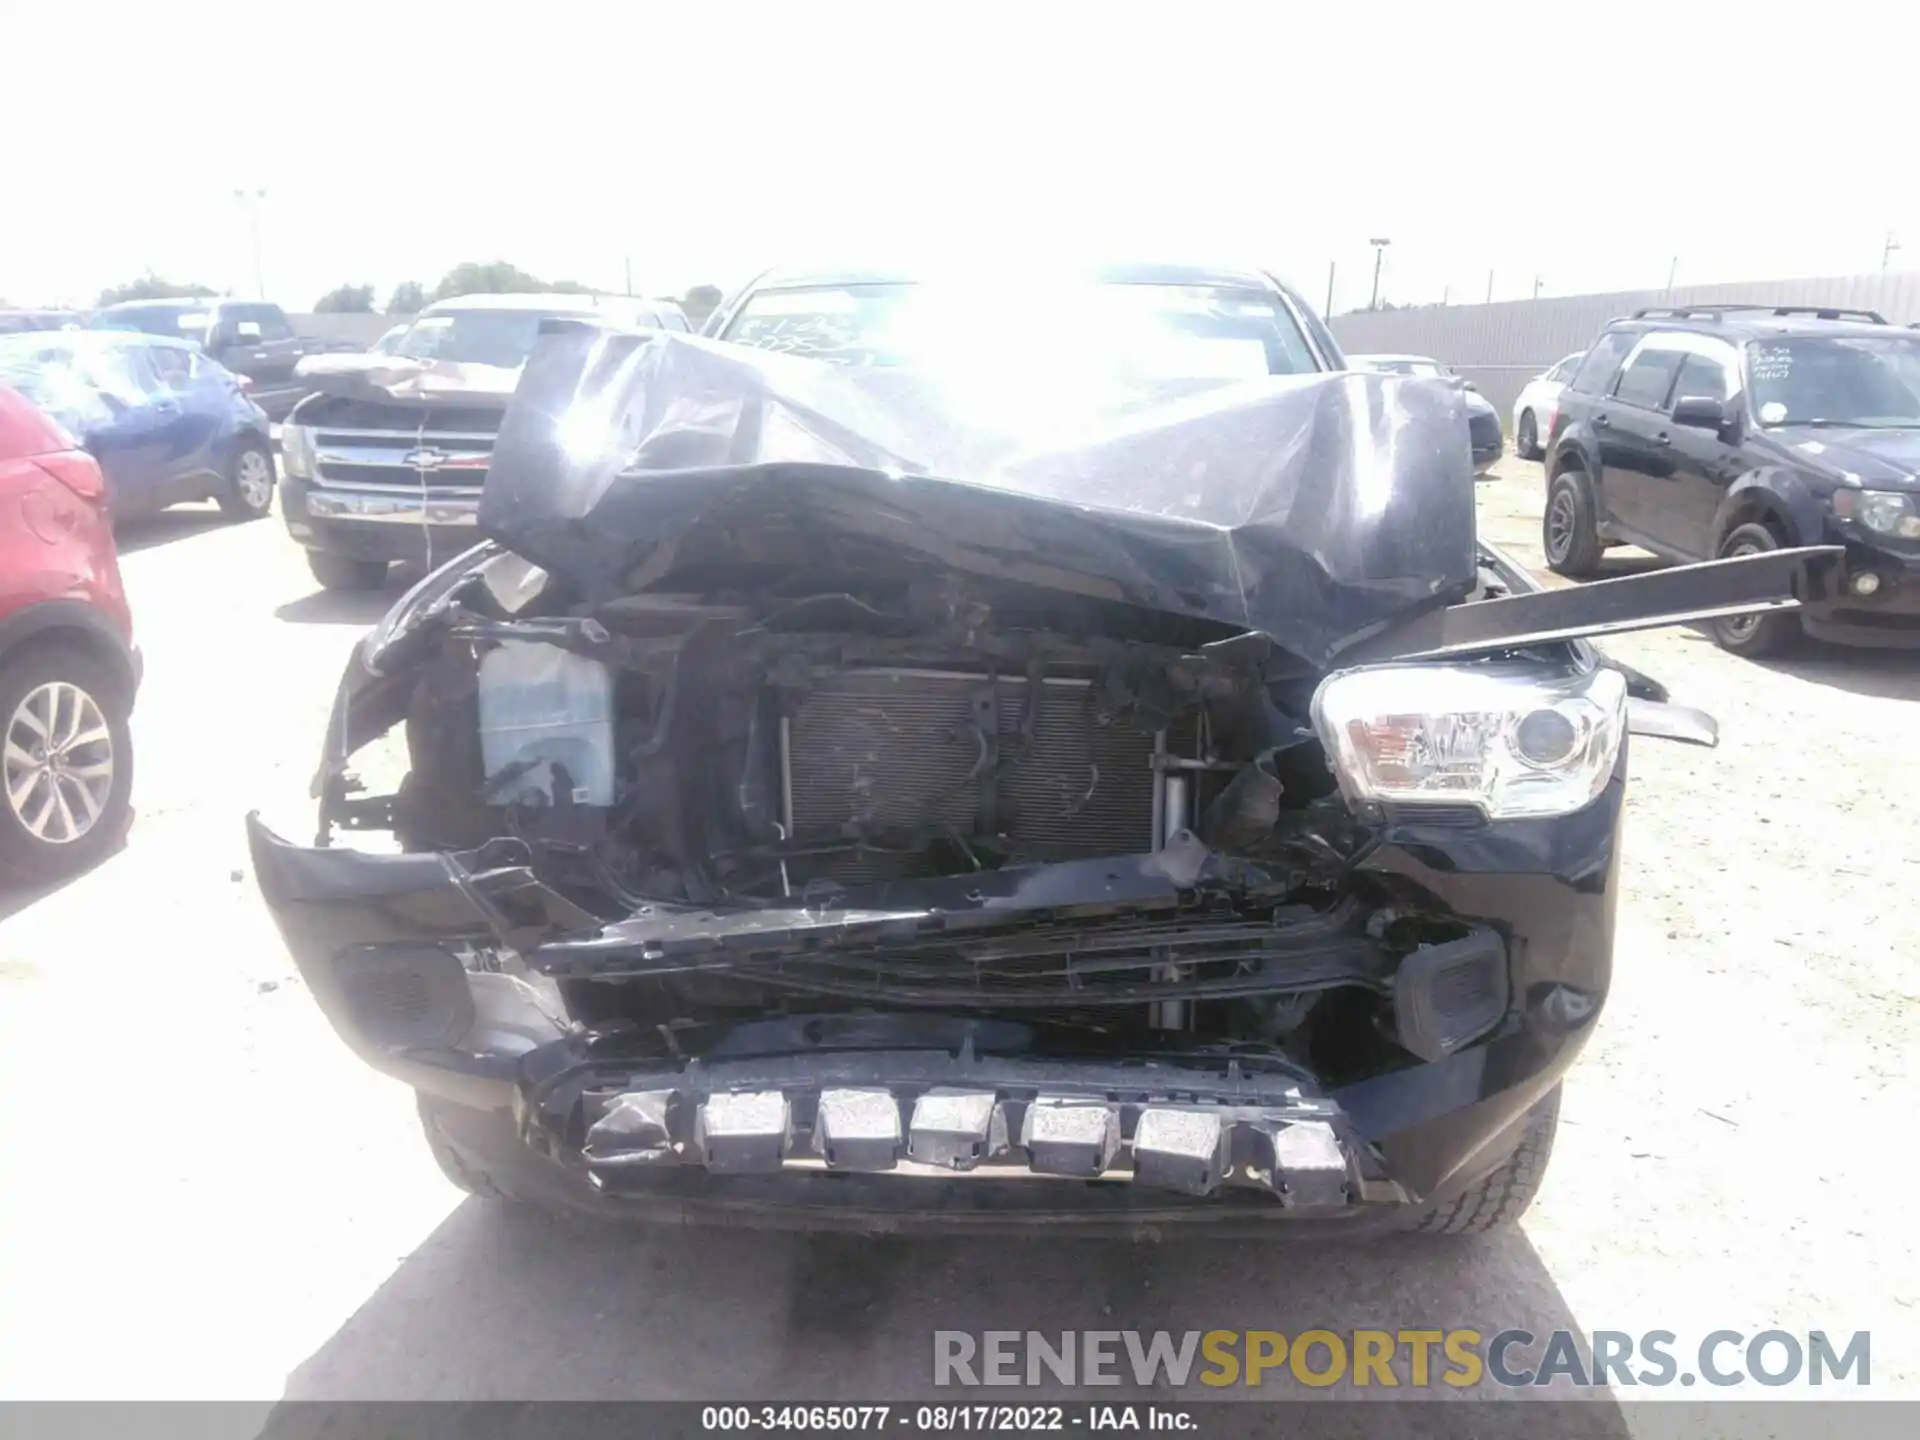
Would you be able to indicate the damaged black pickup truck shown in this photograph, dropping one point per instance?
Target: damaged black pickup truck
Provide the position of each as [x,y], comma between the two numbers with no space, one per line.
[842,799]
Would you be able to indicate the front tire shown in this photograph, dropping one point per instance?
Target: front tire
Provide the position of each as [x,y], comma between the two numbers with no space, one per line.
[1526,437]
[1501,1197]
[66,763]
[346,572]
[1568,534]
[248,492]
[1753,636]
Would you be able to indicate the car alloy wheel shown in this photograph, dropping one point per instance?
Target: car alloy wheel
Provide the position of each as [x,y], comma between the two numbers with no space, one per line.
[1528,438]
[253,478]
[1562,519]
[58,762]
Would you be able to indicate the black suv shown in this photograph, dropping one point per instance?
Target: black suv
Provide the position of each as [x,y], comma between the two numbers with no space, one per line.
[254,340]
[1715,431]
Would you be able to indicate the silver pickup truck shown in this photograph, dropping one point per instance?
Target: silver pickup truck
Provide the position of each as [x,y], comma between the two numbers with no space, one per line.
[385,458]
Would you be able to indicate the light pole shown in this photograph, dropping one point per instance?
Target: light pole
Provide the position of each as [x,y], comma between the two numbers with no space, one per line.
[1379,254]
[1886,251]
[251,200]
[1536,287]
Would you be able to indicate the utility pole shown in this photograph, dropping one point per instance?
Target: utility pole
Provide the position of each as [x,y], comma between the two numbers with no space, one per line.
[1327,314]
[1673,266]
[1536,287]
[1886,251]
[1489,287]
[251,200]
[1379,254]
[629,264]
[1445,292]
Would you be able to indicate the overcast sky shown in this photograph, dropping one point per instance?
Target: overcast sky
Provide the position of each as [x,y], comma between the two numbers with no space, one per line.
[697,142]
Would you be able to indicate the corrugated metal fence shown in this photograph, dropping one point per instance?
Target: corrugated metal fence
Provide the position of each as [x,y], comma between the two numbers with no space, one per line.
[1501,347]
[361,329]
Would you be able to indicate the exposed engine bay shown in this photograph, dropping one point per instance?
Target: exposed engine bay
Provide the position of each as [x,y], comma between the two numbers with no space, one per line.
[796,738]
[802,771]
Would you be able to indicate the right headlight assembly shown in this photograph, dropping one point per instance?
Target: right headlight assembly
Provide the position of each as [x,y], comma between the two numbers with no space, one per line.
[1885,512]
[1503,738]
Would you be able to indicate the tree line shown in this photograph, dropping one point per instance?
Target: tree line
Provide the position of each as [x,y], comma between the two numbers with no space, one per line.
[494,277]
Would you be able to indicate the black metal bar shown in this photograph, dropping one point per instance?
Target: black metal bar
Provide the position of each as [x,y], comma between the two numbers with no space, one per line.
[1774,580]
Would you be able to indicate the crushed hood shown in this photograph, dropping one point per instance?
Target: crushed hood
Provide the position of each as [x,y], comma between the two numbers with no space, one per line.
[366,376]
[1316,509]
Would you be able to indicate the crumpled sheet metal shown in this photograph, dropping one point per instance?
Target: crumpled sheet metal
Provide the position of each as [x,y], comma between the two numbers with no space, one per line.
[394,377]
[1315,508]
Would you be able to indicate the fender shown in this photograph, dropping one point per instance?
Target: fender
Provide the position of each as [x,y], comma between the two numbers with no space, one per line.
[100,637]
[1783,492]
[1577,440]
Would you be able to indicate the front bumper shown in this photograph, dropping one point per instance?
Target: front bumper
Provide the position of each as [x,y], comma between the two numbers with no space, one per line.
[890,1118]
[1888,619]
[432,525]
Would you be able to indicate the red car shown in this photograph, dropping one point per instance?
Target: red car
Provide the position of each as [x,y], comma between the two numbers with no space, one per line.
[68,668]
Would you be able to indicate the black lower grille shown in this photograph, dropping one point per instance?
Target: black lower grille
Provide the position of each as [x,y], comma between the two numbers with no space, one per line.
[906,750]
[1483,430]
[1073,965]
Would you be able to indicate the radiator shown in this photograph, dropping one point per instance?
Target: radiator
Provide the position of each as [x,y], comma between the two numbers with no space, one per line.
[894,747]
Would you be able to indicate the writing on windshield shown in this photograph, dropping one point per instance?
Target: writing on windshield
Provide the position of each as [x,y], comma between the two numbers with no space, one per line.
[1867,380]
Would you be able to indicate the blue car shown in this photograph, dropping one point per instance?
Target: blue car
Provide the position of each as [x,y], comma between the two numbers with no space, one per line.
[166,423]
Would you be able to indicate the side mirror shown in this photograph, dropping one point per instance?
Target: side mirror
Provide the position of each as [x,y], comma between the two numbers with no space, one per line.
[1699,412]
[247,330]
[1469,385]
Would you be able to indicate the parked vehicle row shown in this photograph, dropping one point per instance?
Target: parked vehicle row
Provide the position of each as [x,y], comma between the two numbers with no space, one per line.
[13,322]
[1726,430]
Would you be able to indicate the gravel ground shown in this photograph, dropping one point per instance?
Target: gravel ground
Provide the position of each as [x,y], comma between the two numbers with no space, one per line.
[208,1197]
